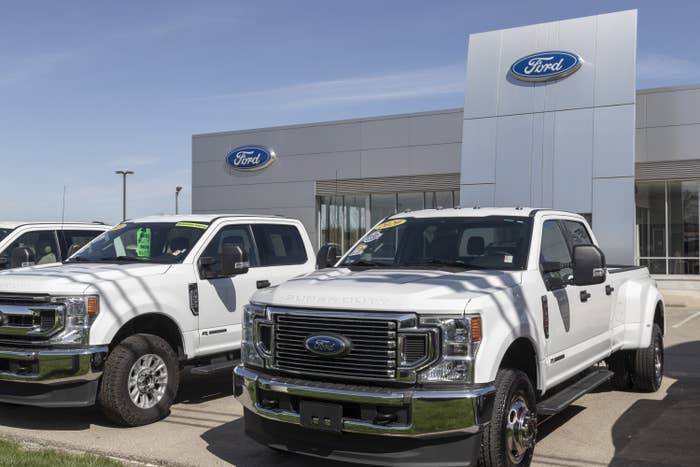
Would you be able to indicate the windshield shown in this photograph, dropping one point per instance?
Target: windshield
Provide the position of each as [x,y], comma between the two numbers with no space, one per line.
[155,242]
[492,242]
[4,233]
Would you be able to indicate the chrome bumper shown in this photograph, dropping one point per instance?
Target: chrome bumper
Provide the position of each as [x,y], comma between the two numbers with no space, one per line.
[51,366]
[432,413]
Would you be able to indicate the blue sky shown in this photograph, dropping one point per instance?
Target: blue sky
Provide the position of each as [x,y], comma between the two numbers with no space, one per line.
[89,87]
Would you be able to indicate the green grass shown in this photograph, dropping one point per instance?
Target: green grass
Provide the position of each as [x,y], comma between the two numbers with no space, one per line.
[12,454]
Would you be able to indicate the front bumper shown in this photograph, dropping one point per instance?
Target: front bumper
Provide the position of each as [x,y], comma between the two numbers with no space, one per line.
[50,377]
[429,427]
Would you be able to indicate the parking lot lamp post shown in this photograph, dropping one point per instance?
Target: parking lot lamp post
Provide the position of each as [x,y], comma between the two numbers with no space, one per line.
[178,189]
[124,173]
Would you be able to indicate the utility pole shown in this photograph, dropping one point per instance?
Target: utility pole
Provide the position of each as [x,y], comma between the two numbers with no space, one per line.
[124,173]
[178,189]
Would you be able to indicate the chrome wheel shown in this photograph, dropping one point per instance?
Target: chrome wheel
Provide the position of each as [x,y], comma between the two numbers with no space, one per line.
[147,381]
[658,360]
[521,429]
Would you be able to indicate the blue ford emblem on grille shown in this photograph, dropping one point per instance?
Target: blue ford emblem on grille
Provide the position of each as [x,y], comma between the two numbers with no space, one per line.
[546,66]
[327,345]
[250,158]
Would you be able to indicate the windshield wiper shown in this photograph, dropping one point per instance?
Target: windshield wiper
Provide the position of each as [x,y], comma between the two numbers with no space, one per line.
[438,262]
[367,264]
[119,259]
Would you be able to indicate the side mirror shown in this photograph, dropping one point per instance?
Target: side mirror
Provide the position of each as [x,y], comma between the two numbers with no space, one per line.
[327,256]
[4,261]
[234,261]
[589,265]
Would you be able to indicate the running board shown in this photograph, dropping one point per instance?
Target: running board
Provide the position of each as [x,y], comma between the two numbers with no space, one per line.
[214,367]
[564,398]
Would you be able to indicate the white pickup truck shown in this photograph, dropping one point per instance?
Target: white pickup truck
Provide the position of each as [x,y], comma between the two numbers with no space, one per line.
[28,243]
[443,336]
[115,322]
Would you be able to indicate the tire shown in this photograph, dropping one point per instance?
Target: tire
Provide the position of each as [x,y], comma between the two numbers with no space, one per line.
[514,395]
[648,367]
[147,367]
[620,364]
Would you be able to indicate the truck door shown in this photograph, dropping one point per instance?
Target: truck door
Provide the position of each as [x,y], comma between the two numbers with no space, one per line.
[593,302]
[221,300]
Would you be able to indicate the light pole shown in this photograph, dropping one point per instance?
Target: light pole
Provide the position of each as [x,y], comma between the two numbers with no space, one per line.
[178,189]
[124,173]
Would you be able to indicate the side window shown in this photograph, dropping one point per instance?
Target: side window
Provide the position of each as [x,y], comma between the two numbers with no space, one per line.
[279,244]
[79,238]
[231,234]
[577,233]
[555,250]
[38,247]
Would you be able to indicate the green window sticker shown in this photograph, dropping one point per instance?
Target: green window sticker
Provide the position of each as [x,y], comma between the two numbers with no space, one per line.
[143,242]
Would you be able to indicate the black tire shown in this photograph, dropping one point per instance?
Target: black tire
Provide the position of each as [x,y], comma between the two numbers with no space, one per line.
[113,396]
[511,386]
[620,364]
[644,371]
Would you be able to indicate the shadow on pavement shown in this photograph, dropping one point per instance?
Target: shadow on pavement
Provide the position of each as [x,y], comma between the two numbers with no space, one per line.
[229,443]
[664,432]
[194,389]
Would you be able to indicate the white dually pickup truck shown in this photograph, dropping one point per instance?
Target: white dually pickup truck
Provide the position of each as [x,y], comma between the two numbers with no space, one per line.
[116,321]
[443,336]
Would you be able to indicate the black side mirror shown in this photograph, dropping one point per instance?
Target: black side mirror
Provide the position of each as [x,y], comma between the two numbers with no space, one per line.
[4,261]
[589,265]
[234,260]
[327,256]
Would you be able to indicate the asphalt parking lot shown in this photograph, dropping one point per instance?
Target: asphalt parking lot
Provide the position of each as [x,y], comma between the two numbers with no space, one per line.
[206,429]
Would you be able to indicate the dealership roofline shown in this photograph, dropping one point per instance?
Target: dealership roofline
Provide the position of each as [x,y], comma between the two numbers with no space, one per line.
[401,115]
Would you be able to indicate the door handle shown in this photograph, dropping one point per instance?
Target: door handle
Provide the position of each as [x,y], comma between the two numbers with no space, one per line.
[262,284]
[585,295]
[609,289]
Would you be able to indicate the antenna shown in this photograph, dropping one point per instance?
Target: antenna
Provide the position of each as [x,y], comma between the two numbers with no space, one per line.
[63,208]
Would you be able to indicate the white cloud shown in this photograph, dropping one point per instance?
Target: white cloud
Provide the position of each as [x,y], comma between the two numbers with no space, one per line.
[659,69]
[429,82]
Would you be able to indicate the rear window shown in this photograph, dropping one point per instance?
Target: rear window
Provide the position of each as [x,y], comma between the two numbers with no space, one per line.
[76,238]
[279,245]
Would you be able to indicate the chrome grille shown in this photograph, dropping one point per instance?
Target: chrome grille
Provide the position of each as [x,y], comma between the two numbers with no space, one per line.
[373,353]
[29,317]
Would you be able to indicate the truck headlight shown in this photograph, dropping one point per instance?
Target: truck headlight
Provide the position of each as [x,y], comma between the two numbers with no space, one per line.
[460,342]
[250,356]
[80,313]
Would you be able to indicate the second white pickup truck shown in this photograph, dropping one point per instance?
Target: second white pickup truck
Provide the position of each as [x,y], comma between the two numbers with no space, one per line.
[443,336]
[115,322]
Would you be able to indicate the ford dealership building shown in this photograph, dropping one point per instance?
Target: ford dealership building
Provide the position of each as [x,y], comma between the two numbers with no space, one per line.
[552,118]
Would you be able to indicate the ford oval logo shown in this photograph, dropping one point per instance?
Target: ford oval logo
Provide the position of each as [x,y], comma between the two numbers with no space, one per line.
[250,158]
[327,345]
[546,66]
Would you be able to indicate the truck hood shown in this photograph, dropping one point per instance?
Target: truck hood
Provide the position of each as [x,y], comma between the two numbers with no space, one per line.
[388,290]
[73,278]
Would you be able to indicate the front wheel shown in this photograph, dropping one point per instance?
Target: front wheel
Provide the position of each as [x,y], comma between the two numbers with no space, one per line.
[509,440]
[140,381]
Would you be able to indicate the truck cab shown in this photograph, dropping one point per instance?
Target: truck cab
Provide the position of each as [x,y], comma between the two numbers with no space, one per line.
[37,243]
[115,322]
[442,335]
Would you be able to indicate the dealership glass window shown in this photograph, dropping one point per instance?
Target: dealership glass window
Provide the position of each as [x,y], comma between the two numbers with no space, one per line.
[668,226]
[382,205]
[410,201]
[343,219]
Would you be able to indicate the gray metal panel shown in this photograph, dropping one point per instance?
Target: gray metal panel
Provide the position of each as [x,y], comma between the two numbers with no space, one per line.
[641,111]
[537,162]
[440,182]
[613,218]
[410,160]
[613,142]
[513,159]
[640,145]
[435,129]
[479,151]
[679,107]
[243,198]
[673,142]
[483,70]
[573,160]
[578,36]
[616,68]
